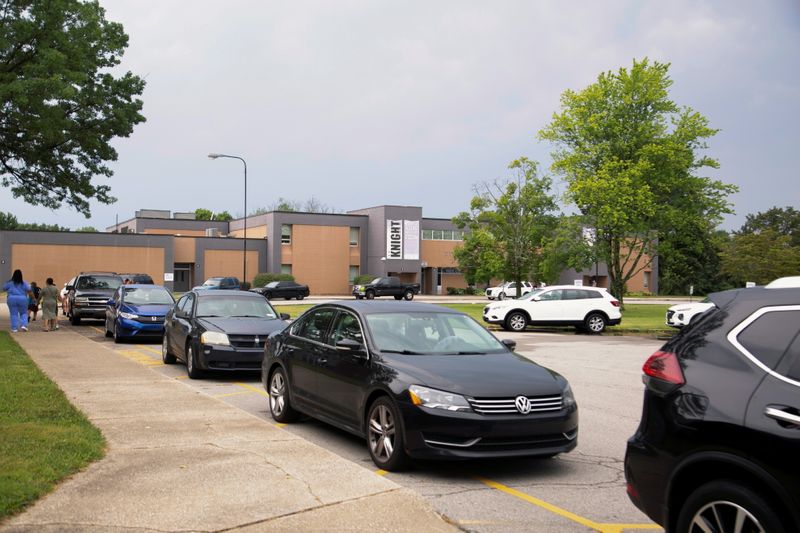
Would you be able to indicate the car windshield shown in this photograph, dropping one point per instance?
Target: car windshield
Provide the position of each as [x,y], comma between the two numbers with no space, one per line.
[529,295]
[374,281]
[235,306]
[212,282]
[271,285]
[430,333]
[98,282]
[147,296]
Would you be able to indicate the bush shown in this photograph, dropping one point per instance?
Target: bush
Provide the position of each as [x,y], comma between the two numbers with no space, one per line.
[457,291]
[363,279]
[263,278]
[245,285]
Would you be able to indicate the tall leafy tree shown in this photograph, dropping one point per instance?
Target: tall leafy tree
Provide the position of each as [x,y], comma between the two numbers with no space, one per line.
[206,214]
[781,220]
[760,257]
[480,258]
[631,157]
[513,218]
[60,105]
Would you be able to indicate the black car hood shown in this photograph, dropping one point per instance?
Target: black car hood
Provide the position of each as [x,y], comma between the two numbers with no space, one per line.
[242,326]
[486,375]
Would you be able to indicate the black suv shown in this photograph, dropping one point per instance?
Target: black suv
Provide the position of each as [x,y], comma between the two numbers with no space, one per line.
[717,448]
[88,294]
[138,279]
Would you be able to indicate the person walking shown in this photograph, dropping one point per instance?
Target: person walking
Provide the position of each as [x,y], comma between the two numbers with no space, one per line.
[33,302]
[50,299]
[17,300]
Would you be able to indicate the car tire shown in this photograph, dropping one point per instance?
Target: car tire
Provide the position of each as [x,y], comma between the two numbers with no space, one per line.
[359,297]
[74,320]
[501,296]
[385,438]
[370,295]
[398,297]
[108,331]
[516,321]
[594,323]
[167,357]
[117,338]
[726,501]
[191,363]
[300,296]
[268,295]
[280,407]
[408,295]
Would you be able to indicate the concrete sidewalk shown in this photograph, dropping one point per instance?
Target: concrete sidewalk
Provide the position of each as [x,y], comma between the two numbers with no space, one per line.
[179,460]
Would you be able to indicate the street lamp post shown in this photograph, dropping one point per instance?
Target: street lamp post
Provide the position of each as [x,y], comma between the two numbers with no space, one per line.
[244,245]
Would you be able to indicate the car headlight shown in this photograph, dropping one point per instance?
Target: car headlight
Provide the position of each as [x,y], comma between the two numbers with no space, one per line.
[81,299]
[436,399]
[568,397]
[214,337]
[129,316]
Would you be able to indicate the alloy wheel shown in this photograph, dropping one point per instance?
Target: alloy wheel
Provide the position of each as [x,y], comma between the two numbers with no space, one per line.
[382,430]
[277,394]
[724,516]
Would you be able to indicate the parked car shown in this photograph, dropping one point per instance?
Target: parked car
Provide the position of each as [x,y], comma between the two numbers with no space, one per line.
[283,289]
[141,279]
[419,381]
[386,286]
[88,294]
[219,330]
[508,290]
[219,282]
[716,448]
[586,308]
[137,311]
[680,315]
[64,296]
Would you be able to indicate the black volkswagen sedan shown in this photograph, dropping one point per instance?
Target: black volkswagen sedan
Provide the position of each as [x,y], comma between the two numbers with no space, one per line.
[717,446]
[417,380]
[219,330]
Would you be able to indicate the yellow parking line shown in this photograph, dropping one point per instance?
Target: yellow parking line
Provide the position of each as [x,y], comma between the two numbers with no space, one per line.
[381,472]
[279,425]
[253,389]
[98,330]
[149,349]
[233,394]
[591,524]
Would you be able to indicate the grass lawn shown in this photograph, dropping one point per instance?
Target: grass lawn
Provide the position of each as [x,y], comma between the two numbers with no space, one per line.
[637,319]
[43,438]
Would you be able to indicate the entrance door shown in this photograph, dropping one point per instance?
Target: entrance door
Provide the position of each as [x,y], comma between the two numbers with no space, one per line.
[183,277]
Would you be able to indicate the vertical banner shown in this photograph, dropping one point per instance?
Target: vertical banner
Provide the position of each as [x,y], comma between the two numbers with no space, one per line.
[394,239]
[411,239]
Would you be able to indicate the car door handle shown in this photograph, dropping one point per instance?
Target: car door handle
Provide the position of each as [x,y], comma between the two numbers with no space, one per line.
[322,360]
[782,416]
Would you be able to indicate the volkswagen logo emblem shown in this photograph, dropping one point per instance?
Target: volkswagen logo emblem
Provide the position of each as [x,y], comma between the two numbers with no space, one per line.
[523,405]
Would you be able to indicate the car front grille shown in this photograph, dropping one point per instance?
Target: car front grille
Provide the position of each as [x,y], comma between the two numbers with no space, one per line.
[505,406]
[247,341]
[150,319]
[497,444]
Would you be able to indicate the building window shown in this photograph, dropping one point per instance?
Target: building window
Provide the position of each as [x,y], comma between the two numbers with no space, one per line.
[354,236]
[354,272]
[447,235]
[437,235]
[427,234]
[443,235]
[286,269]
[286,234]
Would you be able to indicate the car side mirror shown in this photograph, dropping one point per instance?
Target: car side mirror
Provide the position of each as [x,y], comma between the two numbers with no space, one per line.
[511,344]
[351,346]
[70,287]
[285,316]
[536,299]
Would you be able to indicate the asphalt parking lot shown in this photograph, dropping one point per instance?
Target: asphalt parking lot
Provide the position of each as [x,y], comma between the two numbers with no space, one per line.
[580,491]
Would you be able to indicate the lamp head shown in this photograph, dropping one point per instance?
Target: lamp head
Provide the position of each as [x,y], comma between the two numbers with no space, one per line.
[214,156]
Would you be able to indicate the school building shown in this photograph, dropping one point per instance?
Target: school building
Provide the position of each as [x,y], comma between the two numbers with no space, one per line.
[323,251]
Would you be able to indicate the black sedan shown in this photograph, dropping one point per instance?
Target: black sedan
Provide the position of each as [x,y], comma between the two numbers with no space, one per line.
[417,380]
[283,289]
[219,330]
[717,446]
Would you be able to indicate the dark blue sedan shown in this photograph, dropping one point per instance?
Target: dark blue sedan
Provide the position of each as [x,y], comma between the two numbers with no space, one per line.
[137,311]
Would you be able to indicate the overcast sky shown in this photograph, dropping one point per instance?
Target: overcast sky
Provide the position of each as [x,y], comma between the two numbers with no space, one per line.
[364,103]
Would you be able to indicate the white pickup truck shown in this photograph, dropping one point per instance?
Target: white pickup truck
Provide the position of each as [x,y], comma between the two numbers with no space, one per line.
[508,290]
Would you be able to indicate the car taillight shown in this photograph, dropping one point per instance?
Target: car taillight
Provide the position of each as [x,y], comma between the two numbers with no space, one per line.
[664,366]
[615,303]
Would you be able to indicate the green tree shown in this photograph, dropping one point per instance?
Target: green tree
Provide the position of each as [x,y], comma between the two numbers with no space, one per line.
[781,220]
[760,257]
[224,216]
[87,229]
[480,258]
[206,214]
[8,221]
[61,105]
[570,245]
[517,214]
[630,158]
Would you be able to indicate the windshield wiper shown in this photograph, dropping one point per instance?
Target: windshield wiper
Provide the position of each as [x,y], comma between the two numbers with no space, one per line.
[249,316]
[404,352]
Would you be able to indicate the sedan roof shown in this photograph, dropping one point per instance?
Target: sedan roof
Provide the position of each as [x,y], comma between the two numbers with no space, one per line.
[368,307]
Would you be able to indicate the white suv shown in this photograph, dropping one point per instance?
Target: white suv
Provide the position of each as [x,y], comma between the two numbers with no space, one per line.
[587,308]
[508,290]
[680,315]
